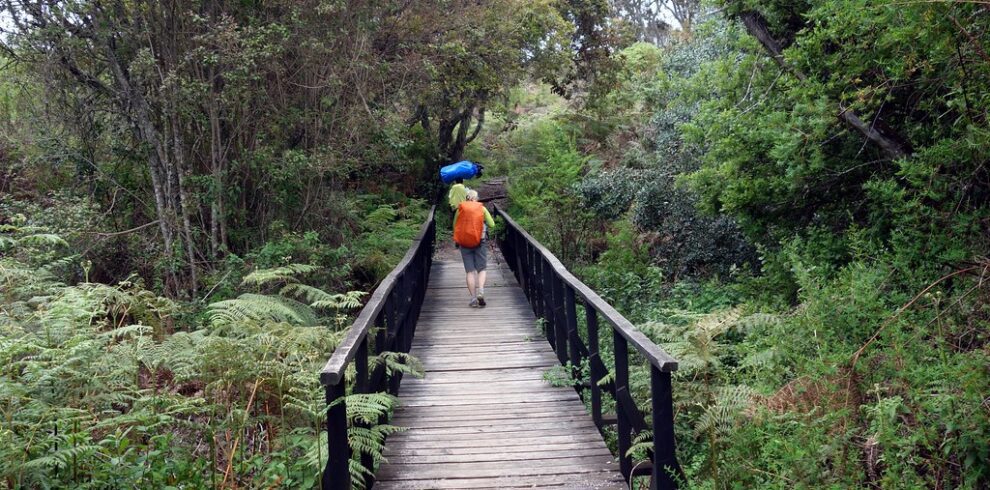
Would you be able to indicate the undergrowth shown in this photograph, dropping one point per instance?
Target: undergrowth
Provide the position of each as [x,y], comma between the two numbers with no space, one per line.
[114,386]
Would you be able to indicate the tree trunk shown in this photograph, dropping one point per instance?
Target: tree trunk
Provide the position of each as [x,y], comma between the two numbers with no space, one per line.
[145,132]
[185,204]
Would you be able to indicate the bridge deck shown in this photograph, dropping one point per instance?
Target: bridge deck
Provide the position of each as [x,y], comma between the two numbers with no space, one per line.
[483,417]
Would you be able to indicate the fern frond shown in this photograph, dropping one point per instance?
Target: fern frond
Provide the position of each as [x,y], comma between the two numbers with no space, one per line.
[260,309]
[369,408]
[128,331]
[721,416]
[753,321]
[397,362]
[642,443]
[761,359]
[305,293]
[344,301]
[42,240]
[285,273]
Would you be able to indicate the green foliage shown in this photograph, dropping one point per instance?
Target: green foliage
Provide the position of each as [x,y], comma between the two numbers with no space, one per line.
[543,191]
[100,387]
[827,303]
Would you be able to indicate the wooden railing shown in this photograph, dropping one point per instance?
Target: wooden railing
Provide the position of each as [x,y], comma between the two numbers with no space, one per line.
[553,292]
[392,310]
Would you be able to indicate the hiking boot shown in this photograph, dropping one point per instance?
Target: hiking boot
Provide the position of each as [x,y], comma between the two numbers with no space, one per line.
[473,303]
[481,300]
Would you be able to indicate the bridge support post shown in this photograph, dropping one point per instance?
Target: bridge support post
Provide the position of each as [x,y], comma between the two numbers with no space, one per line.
[547,302]
[521,262]
[591,317]
[337,475]
[559,319]
[537,264]
[623,424]
[666,471]
[570,310]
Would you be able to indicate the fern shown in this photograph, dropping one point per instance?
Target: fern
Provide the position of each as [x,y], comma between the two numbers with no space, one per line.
[642,443]
[365,436]
[345,301]
[96,381]
[368,408]
[720,417]
[260,309]
[42,240]
[397,362]
[284,274]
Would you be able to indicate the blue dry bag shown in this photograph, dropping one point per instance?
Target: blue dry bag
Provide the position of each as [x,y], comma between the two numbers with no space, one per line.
[460,170]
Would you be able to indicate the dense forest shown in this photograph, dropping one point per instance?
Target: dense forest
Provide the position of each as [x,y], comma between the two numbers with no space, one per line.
[791,197]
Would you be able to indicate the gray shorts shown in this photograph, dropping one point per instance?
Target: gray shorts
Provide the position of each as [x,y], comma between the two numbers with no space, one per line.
[475,259]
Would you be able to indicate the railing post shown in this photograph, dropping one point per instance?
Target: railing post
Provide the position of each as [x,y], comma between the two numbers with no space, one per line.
[559,323]
[406,292]
[548,303]
[393,338]
[336,475]
[664,455]
[521,261]
[536,265]
[591,317]
[377,379]
[361,386]
[531,269]
[623,424]
[570,310]
[361,367]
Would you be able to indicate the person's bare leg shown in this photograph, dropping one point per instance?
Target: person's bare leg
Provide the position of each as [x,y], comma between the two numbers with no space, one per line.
[471,278]
[481,288]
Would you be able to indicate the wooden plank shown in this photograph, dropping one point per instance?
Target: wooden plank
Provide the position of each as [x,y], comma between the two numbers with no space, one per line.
[490,470]
[507,358]
[504,429]
[603,480]
[460,388]
[469,426]
[532,455]
[482,438]
[557,448]
[525,363]
[561,401]
[404,443]
[456,420]
[478,410]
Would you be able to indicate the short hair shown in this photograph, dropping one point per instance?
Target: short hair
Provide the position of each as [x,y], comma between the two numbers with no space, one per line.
[472,195]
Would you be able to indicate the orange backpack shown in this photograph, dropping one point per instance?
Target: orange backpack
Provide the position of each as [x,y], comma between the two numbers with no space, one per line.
[470,224]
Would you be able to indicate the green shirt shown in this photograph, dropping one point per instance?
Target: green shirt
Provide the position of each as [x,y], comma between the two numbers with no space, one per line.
[457,194]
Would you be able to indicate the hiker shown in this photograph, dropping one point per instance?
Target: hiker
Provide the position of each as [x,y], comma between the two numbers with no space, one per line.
[457,194]
[471,224]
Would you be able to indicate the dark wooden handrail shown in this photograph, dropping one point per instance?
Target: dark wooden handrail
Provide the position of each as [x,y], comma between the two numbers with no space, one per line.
[393,309]
[552,292]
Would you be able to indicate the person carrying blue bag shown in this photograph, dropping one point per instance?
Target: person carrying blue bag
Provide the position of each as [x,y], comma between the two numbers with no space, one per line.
[457,173]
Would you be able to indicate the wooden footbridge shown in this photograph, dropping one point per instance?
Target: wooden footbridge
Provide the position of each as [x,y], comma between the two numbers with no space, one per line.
[483,415]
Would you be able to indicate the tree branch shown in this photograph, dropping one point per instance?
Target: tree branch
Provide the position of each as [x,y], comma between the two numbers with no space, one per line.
[477,128]
[894,146]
